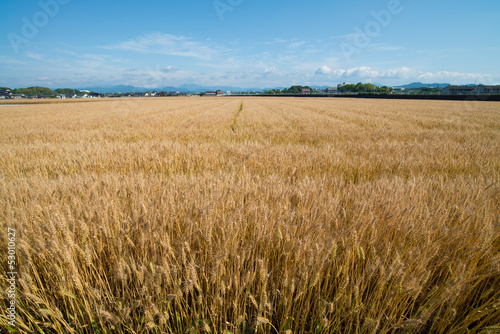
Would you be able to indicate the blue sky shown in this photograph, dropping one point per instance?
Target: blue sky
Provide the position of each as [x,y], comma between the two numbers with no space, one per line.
[248,43]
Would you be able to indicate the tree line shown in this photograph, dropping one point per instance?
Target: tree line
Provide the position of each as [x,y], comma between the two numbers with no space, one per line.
[43,91]
[349,88]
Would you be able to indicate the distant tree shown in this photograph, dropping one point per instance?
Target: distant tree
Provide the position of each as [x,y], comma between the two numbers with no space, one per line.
[385,90]
[382,90]
[36,91]
[349,88]
[358,88]
[295,89]
[67,91]
[370,88]
[428,90]
[274,91]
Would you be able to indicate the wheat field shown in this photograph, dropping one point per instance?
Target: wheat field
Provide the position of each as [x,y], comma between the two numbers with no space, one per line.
[252,215]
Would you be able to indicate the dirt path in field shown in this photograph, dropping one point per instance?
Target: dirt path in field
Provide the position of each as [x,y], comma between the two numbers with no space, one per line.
[235,118]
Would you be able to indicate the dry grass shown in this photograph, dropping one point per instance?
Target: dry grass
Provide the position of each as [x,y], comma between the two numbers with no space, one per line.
[253,215]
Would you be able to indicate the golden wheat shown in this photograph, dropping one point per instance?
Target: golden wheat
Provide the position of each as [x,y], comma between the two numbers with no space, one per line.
[238,215]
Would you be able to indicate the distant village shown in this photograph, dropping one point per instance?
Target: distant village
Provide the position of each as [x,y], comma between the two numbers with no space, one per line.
[341,89]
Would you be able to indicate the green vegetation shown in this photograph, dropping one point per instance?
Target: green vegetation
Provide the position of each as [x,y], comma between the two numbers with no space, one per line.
[67,91]
[425,91]
[358,88]
[385,90]
[45,92]
[274,91]
[295,89]
[35,91]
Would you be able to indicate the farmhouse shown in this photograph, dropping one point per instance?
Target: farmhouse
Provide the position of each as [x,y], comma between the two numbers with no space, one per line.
[459,90]
[331,90]
[306,91]
[488,90]
[5,94]
[472,90]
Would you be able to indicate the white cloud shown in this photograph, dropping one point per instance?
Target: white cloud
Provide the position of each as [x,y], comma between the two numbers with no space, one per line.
[324,70]
[367,72]
[277,41]
[454,77]
[169,69]
[402,75]
[402,72]
[167,44]
[348,36]
[10,60]
[34,55]
[379,47]
[295,45]
[363,71]
[269,70]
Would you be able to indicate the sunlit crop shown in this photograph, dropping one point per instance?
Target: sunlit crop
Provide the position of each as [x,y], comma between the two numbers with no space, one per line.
[252,215]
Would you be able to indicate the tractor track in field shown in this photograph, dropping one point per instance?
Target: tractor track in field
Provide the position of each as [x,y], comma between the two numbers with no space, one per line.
[235,118]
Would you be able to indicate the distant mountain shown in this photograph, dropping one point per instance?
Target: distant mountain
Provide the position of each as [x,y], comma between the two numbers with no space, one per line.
[114,89]
[185,88]
[414,85]
[194,88]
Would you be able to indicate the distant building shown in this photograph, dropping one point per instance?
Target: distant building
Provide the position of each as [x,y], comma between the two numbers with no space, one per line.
[306,91]
[460,90]
[488,90]
[5,94]
[471,90]
[331,90]
[218,92]
[343,84]
[211,93]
